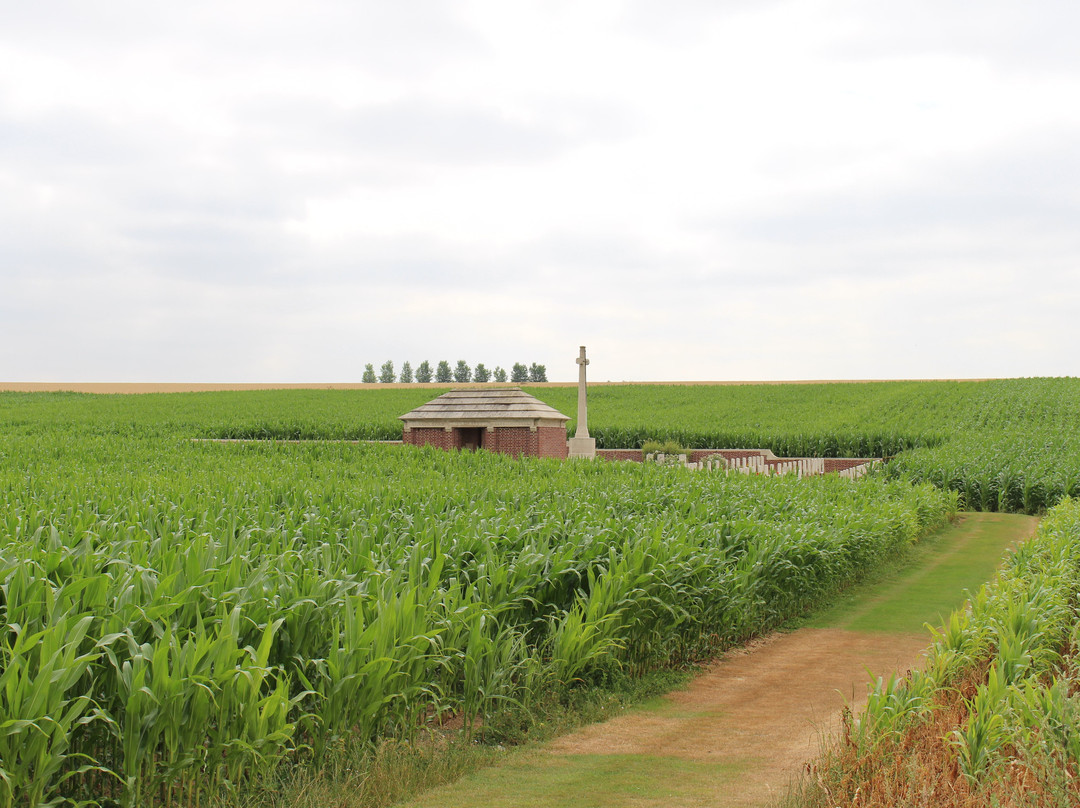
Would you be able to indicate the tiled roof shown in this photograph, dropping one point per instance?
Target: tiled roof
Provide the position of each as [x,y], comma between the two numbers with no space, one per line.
[497,403]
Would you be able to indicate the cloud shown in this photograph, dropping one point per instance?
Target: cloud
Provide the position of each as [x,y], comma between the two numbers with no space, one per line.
[1035,37]
[49,145]
[217,40]
[415,130]
[1015,201]
[232,191]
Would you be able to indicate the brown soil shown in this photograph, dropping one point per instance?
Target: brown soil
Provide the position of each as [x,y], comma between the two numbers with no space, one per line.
[762,708]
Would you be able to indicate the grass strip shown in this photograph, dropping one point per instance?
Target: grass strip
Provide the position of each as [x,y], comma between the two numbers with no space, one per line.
[992,718]
[513,768]
[930,579]
[594,781]
[359,776]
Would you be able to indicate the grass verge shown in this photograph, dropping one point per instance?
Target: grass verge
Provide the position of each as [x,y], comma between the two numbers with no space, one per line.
[593,780]
[948,561]
[929,579]
[359,776]
[991,720]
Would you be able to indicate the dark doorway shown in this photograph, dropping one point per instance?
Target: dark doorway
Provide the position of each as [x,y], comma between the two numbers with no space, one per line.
[471,438]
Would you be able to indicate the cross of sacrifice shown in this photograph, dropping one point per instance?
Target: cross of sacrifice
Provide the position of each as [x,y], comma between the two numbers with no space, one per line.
[582,425]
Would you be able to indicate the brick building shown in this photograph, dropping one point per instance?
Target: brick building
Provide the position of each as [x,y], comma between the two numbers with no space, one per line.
[506,420]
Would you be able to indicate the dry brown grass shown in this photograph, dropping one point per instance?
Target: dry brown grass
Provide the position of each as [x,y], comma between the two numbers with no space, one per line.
[919,767]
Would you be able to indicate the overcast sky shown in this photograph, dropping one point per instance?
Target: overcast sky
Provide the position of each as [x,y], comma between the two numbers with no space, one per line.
[279,191]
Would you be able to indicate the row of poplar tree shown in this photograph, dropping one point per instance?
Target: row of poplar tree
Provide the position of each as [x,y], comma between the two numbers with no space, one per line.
[461,373]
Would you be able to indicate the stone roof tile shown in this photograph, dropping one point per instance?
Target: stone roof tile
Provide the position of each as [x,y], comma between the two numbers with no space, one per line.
[502,403]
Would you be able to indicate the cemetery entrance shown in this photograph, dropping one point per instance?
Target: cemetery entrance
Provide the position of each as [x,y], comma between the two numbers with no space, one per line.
[470,438]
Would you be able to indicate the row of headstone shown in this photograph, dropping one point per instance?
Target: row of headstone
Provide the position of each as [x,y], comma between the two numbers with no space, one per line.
[668,459]
[802,467]
[757,464]
[855,472]
[754,464]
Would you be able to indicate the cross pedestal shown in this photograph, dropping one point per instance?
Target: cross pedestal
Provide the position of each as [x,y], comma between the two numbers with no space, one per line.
[581,445]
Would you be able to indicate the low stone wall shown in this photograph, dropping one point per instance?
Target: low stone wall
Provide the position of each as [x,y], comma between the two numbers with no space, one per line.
[620,454]
[693,456]
[762,460]
[757,460]
[836,464]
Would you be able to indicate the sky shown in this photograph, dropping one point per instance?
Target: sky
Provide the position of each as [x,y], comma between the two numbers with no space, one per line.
[276,191]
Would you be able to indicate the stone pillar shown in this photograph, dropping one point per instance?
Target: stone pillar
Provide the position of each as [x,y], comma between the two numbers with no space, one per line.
[581,445]
[582,397]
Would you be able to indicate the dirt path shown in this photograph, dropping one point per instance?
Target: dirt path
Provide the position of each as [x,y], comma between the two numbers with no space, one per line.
[743,728]
[760,711]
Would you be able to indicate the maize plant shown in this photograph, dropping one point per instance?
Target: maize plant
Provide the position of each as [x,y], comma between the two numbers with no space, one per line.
[1015,644]
[178,617]
[43,703]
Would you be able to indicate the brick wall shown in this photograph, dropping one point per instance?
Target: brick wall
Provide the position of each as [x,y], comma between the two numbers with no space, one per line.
[514,440]
[545,441]
[429,436]
[619,454]
[834,464]
[551,442]
[694,456]
[728,454]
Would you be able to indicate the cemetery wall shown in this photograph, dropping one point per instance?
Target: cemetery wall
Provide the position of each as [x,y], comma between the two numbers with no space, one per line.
[750,459]
[511,440]
[429,436]
[552,441]
[841,463]
[545,441]
[694,455]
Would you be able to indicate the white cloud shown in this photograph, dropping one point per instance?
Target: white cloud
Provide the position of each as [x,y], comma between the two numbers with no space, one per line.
[791,189]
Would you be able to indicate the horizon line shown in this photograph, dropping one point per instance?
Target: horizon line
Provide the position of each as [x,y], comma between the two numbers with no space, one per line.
[212,387]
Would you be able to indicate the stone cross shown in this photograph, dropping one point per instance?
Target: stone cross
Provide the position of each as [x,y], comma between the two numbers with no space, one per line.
[582,414]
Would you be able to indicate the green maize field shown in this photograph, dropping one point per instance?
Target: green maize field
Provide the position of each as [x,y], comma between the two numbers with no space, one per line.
[177,617]
[1007,445]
